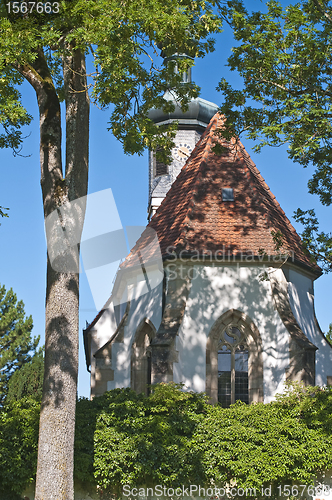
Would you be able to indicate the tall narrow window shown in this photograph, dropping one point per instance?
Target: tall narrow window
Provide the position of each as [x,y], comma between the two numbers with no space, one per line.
[232,367]
[160,168]
[148,381]
[141,359]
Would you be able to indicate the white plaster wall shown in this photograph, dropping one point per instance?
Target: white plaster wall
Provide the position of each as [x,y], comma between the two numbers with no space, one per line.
[214,291]
[143,306]
[103,329]
[301,298]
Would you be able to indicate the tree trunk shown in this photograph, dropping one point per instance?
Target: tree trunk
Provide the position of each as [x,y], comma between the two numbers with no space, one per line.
[57,420]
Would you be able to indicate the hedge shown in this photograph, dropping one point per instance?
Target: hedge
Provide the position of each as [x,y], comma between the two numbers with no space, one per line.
[19,422]
[176,438]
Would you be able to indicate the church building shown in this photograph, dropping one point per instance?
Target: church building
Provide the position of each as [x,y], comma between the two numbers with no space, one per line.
[217,293]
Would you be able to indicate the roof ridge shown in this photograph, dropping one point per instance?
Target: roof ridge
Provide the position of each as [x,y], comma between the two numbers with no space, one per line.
[207,150]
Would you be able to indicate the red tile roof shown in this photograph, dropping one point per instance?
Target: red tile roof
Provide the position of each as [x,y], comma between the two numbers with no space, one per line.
[194,219]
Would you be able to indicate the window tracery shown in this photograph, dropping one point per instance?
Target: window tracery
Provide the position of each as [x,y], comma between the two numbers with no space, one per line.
[232,367]
[234,360]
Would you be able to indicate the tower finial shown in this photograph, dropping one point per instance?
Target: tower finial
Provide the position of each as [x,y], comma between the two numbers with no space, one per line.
[191,124]
[176,56]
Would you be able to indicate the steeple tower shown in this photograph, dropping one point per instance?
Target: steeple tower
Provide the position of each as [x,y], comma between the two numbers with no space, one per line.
[191,125]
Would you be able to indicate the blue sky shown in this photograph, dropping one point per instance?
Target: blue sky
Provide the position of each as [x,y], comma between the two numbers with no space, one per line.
[23,246]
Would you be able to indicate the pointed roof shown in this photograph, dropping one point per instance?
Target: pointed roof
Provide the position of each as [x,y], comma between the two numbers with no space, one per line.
[194,219]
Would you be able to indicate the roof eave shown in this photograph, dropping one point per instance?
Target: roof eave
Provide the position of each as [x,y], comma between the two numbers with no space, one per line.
[314,270]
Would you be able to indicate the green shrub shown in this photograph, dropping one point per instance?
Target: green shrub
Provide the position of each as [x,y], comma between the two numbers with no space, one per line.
[19,422]
[173,437]
[143,440]
[261,445]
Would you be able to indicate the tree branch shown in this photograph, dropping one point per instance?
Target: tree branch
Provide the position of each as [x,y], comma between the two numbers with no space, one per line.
[325,14]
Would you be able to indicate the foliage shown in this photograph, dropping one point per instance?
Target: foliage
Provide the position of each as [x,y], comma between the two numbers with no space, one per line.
[28,380]
[284,58]
[19,422]
[261,445]
[2,213]
[149,439]
[122,40]
[318,244]
[173,438]
[176,438]
[16,344]
[86,417]
[328,335]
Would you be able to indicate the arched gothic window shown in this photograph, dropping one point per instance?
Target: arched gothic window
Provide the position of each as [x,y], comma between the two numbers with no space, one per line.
[234,363]
[141,358]
[232,367]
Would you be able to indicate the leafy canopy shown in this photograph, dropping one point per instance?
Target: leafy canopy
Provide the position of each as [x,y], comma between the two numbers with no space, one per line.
[318,243]
[284,57]
[285,60]
[16,343]
[121,41]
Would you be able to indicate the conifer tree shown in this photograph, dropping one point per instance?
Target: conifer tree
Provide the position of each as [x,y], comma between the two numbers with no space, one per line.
[16,344]
[28,380]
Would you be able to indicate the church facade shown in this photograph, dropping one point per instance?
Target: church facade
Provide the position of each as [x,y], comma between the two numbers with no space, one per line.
[217,293]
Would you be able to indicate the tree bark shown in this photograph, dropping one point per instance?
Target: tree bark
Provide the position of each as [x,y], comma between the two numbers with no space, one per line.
[57,420]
